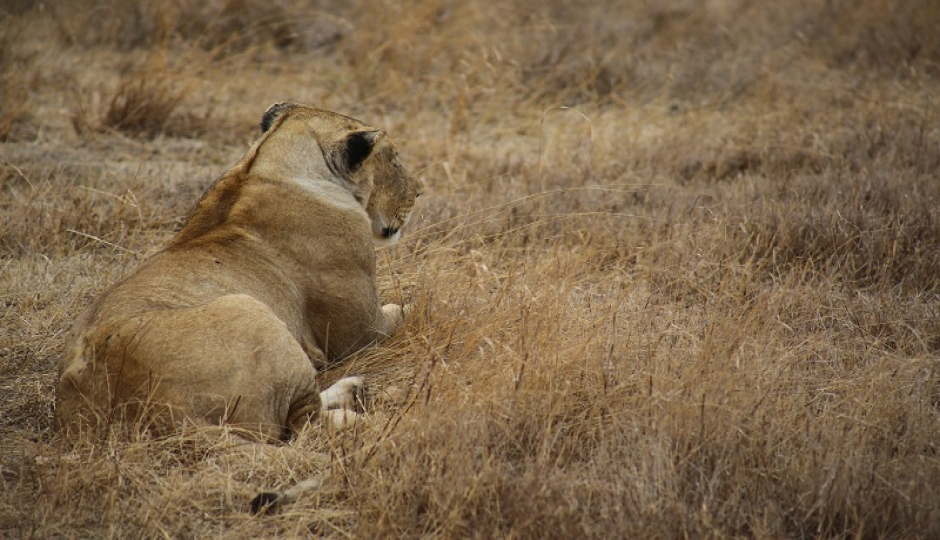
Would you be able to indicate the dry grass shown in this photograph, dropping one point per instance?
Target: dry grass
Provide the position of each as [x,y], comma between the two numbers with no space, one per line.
[704,302]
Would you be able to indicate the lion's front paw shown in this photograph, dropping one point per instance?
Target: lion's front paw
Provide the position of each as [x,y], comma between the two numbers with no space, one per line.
[348,393]
[394,316]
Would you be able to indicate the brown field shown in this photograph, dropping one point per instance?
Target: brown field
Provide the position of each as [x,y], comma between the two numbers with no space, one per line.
[677,268]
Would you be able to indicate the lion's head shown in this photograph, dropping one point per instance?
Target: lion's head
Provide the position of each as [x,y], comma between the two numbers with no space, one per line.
[361,156]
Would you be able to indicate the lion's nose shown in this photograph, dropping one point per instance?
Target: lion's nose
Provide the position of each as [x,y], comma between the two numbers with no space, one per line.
[389,232]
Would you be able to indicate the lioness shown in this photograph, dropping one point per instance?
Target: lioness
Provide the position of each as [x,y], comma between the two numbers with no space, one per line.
[272,275]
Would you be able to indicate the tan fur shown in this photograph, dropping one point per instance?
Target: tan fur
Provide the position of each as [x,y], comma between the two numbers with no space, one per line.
[272,275]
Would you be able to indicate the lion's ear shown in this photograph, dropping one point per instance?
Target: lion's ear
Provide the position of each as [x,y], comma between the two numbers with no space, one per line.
[359,145]
[274,112]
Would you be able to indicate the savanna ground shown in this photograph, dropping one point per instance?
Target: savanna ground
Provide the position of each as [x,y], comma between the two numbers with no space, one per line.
[702,301]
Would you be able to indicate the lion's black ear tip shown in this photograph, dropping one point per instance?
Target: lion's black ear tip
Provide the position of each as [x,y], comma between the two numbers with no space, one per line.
[264,503]
[274,106]
[273,113]
[359,146]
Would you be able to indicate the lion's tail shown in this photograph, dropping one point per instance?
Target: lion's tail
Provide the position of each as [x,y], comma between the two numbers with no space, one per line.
[268,502]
